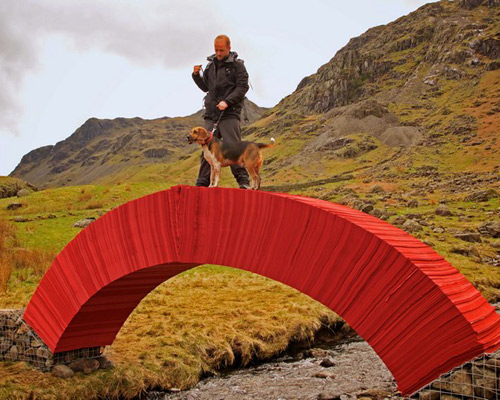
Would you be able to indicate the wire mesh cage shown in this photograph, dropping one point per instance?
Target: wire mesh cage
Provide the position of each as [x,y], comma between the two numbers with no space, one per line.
[477,379]
[18,342]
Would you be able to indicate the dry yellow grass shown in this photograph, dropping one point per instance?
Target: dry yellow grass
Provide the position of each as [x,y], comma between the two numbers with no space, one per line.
[202,320]
[7,235]
[13,258]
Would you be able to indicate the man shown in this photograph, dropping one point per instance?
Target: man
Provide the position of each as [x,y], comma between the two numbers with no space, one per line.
[226,80]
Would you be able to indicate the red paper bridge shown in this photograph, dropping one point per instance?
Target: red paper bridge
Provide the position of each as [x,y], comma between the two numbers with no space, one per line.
[419,314]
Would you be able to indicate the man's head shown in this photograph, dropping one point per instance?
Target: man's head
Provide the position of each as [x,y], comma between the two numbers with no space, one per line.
[222,46]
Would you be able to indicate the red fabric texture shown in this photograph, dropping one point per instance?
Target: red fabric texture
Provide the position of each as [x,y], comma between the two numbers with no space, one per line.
[419,314]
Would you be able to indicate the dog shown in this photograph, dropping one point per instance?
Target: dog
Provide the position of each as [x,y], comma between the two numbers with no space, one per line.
[221,154]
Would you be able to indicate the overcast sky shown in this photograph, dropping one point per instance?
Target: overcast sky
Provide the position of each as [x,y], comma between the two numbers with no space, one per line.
[64,61]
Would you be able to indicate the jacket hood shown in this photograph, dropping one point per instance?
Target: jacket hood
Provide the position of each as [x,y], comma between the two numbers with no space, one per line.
[232,56]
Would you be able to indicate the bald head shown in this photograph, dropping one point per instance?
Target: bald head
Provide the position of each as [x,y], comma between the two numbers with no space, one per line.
[222,46]
[225,39]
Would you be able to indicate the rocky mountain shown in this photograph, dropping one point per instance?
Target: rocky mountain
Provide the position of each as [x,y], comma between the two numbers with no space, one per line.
[102,148]
[414,54]
[422,92]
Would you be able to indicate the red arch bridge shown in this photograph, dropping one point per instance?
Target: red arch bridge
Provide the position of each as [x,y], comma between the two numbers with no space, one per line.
[418,313]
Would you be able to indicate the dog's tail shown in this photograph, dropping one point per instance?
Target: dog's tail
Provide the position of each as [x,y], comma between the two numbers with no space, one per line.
[263,146]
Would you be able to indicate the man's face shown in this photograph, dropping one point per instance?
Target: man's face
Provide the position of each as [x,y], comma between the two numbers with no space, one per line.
[221,49]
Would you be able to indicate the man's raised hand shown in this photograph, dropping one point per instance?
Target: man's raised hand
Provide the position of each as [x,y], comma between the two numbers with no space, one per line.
[196,69]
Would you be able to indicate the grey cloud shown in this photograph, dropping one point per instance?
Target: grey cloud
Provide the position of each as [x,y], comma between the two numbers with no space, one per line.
[174,33]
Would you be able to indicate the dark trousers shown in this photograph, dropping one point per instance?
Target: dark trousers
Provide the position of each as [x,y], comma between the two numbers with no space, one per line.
[229,131]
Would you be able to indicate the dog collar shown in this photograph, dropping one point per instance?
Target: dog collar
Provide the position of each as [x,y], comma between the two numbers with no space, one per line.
[207,141]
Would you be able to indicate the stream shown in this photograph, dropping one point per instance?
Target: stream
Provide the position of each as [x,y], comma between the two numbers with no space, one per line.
[344,371]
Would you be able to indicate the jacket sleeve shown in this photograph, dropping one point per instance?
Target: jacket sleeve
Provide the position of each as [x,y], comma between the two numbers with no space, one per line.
[200,82]
[238,93]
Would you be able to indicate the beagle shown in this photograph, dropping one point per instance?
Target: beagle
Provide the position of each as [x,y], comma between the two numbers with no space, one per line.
[221,154]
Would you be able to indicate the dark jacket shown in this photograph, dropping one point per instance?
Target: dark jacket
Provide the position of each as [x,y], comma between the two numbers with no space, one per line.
[223,80]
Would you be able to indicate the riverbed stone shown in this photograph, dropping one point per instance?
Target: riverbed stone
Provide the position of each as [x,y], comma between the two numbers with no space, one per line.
[324,375]
[330,396]
[317,353]
[327,362]
[375,394]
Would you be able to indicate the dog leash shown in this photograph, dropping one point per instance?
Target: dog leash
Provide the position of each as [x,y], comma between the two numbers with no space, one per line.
[217,123]
[214,128]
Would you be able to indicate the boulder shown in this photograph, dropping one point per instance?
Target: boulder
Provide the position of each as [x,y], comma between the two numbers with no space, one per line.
[83,223]
[327,362]
[412,203]
[443,210]
[411,226]
[85,365]
[317,353]
[104,363]
[377,189]
[23,193]
[470,237]
[483,195]
[62,371]
[491,228]
[324,375]
[468,252]
[330,396]
[366,208]
[14,206]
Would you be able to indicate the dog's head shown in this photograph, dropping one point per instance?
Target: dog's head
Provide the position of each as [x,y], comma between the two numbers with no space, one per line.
[199,135]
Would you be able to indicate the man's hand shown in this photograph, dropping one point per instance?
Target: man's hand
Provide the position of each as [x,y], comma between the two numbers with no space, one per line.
[222,105]
[196,69]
